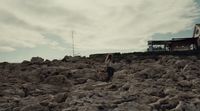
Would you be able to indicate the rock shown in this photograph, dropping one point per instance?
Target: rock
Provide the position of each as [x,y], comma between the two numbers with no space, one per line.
[121,75]
[66,59]
[56,62]
[12,92]
[143,83]
[7,92]
[154,92]
[47,62]
[71,59]
[30,76]
[166,103]
[89,87]
[170,91]
[6,107]
[142,74]
[181,63]
[44,103]
[16,109]
[125,87]
[20,92]
[57,80]
[59,98]
[25,62]
[37,60]
[132,106]
[185,83]
[183,106]
[30,100]
[34,107]
[80,81]
[70,109]
[113,87]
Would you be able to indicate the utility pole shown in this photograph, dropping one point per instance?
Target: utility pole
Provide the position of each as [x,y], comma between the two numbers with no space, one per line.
[73,43]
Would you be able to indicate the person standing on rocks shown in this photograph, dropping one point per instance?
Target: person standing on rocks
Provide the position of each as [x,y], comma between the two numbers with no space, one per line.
[109,69]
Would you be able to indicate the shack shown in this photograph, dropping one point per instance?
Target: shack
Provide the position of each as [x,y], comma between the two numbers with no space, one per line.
[177,44]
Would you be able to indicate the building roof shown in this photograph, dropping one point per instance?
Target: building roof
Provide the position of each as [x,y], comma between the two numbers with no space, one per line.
[174,40]
[159,42]
[198,25]
[187,40]
[183,39]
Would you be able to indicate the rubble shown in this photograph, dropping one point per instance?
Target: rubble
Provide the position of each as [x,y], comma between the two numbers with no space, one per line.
[158,83]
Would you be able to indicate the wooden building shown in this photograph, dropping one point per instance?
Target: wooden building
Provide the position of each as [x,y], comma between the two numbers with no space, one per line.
[177,44]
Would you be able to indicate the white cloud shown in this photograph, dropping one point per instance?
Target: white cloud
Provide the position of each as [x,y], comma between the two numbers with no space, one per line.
[99,24]
[6,49]
[55,45]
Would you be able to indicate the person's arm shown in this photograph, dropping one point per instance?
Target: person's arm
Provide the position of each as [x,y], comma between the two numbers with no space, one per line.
[106,59]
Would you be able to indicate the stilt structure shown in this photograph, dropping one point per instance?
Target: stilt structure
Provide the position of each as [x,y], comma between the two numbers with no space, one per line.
[177,44]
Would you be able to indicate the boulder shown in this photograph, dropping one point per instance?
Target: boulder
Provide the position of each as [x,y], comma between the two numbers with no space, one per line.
[37,60]
[61,97]
[57,80]
[25,62]
[180,64]
[66,59]
[144,83]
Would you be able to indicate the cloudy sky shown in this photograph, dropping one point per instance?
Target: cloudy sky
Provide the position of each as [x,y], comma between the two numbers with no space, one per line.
[44,27]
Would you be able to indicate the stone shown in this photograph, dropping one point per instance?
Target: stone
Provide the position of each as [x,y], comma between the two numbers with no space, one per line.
[25,62]
[59,98]
[170,91]
[34,107]
[66,59]
[6,107]
[80,81]
[185,83]
[146,83]
[37,60]
[57,80]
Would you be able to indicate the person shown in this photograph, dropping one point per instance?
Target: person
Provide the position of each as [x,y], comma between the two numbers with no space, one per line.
[109,69]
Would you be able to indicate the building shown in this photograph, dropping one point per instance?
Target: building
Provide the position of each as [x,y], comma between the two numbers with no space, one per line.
[177,44]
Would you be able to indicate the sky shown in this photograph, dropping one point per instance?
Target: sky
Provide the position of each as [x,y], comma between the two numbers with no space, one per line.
[44,27]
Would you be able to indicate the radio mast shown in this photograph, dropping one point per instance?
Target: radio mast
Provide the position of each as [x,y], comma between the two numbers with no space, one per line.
[73,43]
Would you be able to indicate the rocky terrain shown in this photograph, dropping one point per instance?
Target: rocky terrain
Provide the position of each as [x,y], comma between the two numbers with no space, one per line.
[159,83]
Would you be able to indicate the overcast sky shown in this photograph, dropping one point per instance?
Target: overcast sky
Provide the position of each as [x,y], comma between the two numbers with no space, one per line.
[43,27]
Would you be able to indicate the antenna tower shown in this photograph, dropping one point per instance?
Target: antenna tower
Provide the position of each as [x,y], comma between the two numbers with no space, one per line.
[73,43]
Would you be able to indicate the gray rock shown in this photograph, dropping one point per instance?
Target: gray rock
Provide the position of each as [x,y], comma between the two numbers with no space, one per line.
[57,80]
[59,98]
[146,83]
[37,60]
[34,107]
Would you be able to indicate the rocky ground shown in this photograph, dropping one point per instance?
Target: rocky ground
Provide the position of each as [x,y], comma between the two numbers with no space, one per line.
[76,84]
